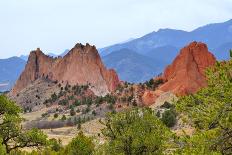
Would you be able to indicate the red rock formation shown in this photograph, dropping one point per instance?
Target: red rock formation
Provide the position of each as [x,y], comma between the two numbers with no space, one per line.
[82,65]
[149,97]
[186,74]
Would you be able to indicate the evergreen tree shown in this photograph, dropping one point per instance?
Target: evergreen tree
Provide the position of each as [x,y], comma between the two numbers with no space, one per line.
[210,112]
[137,131]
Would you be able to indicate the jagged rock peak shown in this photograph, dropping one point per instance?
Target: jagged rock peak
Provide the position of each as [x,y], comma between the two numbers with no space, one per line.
[80,49]
[82,65]
[84,48]
[186,74]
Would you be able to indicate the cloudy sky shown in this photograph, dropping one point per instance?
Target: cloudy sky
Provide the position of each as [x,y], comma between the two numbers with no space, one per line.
[56,25]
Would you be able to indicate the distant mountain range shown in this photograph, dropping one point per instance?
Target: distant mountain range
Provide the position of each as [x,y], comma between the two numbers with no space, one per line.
[161,47]
[131,66]
[137,60]
[216,36]
[10,69]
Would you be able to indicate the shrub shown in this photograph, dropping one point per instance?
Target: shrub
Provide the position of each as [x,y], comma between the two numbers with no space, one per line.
[77,103]
[86,110]
[63,118]
[158,114]
[63,102]
[94,113]
[72,112]
[169,118]
[54,97]
[44,114]
[166,105]
[81,145]
[55,144]
[55,115]
[78,125]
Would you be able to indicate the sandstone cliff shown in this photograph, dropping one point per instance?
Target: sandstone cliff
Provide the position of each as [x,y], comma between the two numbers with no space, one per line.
[82,65]
[186,74]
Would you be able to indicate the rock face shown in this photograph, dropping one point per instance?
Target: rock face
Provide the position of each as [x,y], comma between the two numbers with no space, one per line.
[186,74]
[149,97]
[82,65]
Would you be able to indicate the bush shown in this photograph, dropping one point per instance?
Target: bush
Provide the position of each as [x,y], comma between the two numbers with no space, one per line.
[158,114]
[55,115]
[63,118]
[85,111]
[77,103]
[44,114]
[94,113]
[54,97]
[55,144]
[63,102]
[79,125]
[81,145]
[72,112]
[169,118]
[166,105]
[152,84]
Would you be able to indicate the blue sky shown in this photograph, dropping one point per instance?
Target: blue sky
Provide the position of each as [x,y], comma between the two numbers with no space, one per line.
[56,25]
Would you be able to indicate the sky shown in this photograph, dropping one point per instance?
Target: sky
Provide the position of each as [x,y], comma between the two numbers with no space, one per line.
[56,25]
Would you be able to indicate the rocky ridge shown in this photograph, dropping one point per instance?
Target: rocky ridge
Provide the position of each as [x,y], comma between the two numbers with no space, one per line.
[81,65]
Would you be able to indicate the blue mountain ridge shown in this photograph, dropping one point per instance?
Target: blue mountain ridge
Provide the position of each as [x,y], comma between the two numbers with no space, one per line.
[138,60]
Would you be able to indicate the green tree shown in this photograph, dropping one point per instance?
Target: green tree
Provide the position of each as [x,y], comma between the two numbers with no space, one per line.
[210,110]
[137,131]
[81,145]
[11,133]
[8,107]
[14,137]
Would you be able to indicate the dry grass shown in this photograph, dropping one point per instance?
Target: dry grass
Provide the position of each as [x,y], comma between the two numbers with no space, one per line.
[91,129]
[34,115]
